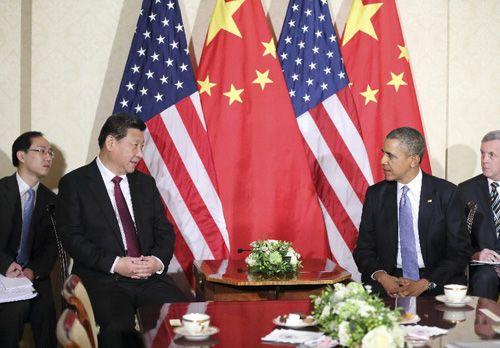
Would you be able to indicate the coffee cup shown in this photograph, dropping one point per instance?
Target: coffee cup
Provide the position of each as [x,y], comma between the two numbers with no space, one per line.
[196,323]
[293,319]
[455,292]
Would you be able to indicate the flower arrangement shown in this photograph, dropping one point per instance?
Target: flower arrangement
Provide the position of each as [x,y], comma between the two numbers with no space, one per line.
[356,318]
[272,258]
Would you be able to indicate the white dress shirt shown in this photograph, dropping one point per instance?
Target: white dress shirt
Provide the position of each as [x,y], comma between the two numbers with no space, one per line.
[414,189]
[107,177]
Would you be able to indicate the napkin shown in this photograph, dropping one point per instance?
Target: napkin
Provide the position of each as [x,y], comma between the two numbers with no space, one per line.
[291,336]
[421,332]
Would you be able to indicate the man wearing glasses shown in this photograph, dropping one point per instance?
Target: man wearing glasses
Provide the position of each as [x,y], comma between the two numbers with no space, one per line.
[27,242]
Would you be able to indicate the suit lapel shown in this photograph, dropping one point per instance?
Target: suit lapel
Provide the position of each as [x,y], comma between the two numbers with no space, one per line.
[389,211]
[425,212]
[483,190]
[14,200]
[98,189]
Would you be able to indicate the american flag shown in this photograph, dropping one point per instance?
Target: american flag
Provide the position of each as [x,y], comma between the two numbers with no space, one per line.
[318,87]
[158,85]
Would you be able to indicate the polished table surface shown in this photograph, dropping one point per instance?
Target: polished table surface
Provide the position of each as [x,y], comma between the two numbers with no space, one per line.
[242,324]
[228,280]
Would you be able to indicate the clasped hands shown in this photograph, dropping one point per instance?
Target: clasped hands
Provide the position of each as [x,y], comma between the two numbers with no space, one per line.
[137,267]
[401,287]
[15,270]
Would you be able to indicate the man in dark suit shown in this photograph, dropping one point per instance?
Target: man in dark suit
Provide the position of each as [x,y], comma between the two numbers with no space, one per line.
[113,225]
[482,194]
[412,236]
[27,241]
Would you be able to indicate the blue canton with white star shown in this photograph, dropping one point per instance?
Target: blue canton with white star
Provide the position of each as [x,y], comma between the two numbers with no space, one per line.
[158,72]
[309,54]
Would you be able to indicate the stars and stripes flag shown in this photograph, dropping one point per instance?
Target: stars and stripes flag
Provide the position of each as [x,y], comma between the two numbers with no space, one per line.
[158,85]
[262,172]
[318,87]
[377,63]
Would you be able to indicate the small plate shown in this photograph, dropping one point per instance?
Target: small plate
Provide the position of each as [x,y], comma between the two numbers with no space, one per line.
[411,342]
[211,330]
[276,321]
[415,319]
[442,298]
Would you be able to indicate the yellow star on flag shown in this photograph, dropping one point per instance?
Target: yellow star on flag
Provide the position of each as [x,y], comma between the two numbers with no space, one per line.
[222,18]
[234,94]
[262,79]
[397,81]
[369,95]
[403,53]
[206,86]
[270,48]
[360,20]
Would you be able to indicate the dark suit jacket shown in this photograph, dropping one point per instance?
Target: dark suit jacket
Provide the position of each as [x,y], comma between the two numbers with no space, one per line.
[444,241]
[43,250]
[89,227]
[483,234]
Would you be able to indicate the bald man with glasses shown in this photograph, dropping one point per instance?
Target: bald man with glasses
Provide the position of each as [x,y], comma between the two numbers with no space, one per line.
[27,243]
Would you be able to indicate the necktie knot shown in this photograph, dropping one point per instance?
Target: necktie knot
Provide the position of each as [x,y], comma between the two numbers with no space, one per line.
[494,185]
[116,180]
[31,193]
[405,189]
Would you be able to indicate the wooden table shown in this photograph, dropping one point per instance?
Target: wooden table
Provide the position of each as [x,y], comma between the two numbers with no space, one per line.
[242,324]
[228,280]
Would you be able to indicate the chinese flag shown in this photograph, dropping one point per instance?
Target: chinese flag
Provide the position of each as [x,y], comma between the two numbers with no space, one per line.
[264,181]
[377,63]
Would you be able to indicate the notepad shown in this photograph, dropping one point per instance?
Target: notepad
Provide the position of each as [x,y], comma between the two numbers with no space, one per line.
[16,289]
[11,284]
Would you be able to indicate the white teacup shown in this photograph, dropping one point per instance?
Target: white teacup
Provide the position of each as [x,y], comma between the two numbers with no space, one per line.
[455,292]
[293,319]
[196,323]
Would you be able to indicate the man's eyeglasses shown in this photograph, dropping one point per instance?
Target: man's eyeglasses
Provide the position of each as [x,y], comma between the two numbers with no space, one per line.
[42,151]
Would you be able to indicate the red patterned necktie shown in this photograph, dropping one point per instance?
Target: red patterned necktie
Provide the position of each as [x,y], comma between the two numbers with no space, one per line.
[126,219]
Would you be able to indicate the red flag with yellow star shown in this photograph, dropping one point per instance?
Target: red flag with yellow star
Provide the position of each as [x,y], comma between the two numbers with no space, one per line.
[378,67]
[264,181]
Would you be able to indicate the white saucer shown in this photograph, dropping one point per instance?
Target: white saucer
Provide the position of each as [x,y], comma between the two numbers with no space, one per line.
[211,330]
[413,320]
[442,298]
[301,324]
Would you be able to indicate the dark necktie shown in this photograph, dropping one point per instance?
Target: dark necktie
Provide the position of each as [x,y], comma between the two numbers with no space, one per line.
[495,206]
[23,255]
[126,219]
[407,237]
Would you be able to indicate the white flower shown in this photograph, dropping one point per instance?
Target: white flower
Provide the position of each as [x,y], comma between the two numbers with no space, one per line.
[293,257]
[344,333]
[325,312]
[398,335]
[379,337]
[250,261]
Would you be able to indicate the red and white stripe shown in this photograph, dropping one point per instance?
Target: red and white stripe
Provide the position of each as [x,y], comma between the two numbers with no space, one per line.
[341,172]
[177,155]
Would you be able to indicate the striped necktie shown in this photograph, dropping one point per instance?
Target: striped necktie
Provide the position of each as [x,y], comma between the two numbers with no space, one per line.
[495,205]
[407,237]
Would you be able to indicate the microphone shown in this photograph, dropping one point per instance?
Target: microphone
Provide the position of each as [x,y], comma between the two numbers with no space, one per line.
[51,209]
[240,250]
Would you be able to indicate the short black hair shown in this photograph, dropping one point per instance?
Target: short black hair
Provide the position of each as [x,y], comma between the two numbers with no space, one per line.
[23,143]
[411,139]
[117,126]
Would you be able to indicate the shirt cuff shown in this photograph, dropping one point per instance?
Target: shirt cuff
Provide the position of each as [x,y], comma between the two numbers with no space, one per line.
[380,270]
[112,270]
[162,265]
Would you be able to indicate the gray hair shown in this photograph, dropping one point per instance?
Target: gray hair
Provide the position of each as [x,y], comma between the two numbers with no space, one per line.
[411,139]
[493,135]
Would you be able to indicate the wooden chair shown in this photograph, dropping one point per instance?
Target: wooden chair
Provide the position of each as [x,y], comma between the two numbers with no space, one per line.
[70,331]
[76,295]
